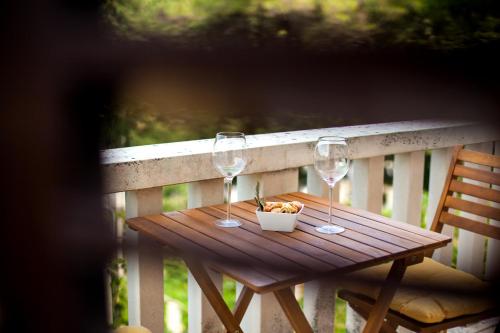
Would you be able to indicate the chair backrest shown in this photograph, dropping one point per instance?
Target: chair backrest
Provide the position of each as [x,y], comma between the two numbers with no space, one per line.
[455,184]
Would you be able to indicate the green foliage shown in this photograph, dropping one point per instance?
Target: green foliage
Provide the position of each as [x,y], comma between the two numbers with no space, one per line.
[174,197]
[175,285]
[118,284]
[444,24]
[229,291]
[423,210]
[340,315]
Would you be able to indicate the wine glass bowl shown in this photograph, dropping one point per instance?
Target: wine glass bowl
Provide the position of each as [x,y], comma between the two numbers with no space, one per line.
[229,158]
[331,161]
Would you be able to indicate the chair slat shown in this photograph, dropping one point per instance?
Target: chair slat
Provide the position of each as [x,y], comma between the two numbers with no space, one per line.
[475,191]
[470,225]
[442,217]
[479,158]
[472,207]
[476,174]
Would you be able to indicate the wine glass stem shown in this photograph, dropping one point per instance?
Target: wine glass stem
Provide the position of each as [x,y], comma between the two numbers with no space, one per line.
[228,181]
[330,196]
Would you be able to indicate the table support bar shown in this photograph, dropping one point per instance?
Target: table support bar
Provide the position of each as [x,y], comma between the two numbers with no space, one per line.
[387,292]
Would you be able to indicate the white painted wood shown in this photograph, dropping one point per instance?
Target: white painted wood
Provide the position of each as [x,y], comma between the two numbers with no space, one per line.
[264,313]
[319,295]
[109,220]
[271,183]
[201,316]
[145,264]
[109,301]
[174,317]
[206,193]
[317,186]
[354,323]
[484,326]
[470,252]
[440,163]
[367,193]
[368,183]
[493,254]
[408,184]
[319,304]
[139,167]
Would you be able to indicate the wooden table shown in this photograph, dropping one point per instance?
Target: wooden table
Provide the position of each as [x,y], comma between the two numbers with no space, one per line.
[268,261]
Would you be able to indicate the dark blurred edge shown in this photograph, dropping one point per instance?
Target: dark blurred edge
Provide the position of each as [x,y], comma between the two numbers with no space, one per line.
[60,71]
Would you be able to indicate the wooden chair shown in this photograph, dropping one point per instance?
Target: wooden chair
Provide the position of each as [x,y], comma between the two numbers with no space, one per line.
[453,184]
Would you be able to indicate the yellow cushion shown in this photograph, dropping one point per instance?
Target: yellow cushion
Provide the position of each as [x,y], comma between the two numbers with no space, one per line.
[132,329]
[428,302]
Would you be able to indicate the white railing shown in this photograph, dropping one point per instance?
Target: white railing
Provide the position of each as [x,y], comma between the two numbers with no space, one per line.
[275,158]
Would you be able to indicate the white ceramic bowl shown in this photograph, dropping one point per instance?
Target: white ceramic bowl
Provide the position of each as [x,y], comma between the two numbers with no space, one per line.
[278,221]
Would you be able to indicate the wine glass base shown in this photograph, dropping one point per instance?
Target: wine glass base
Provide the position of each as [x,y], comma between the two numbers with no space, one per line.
[228,223]
[330,229]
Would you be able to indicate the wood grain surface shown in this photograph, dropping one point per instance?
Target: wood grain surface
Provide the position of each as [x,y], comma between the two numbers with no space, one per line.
[269,261]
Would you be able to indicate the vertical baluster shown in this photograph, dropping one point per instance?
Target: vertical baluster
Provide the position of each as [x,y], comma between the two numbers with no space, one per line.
[319,295]
[145,264]
[408,186]
[367,193]
[264,313]
[493,254]
[109,218]
[470,245]
[440,163]
[201,316]
[317,186]
[368,183]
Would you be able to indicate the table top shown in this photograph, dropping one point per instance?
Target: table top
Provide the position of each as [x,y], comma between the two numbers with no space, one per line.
[269,260]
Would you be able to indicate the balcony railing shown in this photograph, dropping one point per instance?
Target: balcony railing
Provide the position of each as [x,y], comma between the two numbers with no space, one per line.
[275,159]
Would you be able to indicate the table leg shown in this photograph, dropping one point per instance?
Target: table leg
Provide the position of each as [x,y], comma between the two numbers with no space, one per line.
[386,327]
[242,303]
[214,297]
[391,284]
[293,311]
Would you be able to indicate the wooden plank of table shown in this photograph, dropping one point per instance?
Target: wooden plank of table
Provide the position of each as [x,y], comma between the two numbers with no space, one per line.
[260,254]
[227,252]
[256,239]
[359,232]
[316,216]
[254,278]
[400,229]
[249,214]
[308,220]
[377,239]
[313,238]
[282,238]
[409,239]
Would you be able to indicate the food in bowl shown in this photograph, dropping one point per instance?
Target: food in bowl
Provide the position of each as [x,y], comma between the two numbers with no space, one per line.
[292,207]
[277,215]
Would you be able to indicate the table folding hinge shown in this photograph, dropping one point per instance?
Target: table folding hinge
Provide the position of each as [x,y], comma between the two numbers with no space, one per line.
[414,259]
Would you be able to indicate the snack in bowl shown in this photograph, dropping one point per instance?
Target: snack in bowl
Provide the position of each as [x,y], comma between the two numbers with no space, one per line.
[283,207]
[277,215]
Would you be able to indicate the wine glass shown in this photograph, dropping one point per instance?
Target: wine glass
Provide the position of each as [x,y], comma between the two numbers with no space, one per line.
[331,161]
[229,159]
